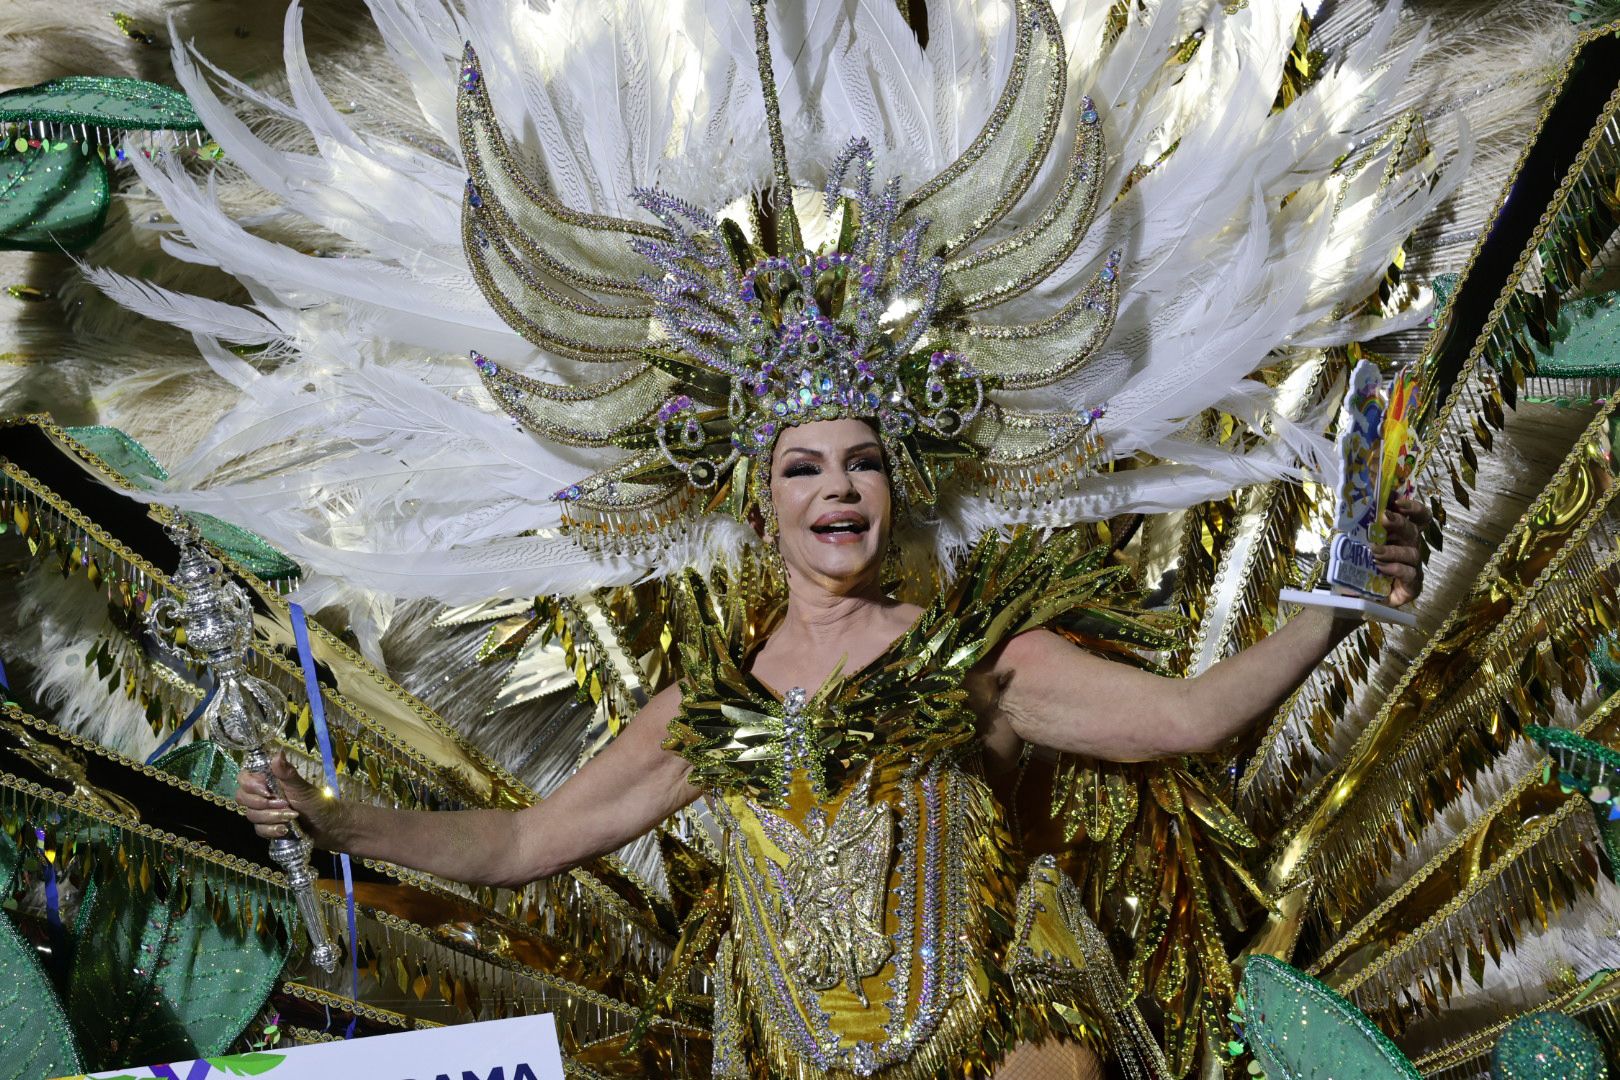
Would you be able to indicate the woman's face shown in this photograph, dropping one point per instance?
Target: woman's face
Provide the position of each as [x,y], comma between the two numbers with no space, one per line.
[830,491]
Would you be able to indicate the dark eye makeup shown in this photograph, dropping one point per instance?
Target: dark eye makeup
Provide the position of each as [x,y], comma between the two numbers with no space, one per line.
[804,467]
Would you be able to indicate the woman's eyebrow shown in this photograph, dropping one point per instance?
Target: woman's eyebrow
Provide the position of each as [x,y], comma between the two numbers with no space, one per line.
[808,452]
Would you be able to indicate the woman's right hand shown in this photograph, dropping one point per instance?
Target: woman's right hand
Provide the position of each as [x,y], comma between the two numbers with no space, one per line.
[300,802]
[619,794]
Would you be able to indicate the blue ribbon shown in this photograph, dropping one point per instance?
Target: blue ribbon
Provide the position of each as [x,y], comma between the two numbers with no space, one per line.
[323,739]
[53,899]
[196,714]
[53,895]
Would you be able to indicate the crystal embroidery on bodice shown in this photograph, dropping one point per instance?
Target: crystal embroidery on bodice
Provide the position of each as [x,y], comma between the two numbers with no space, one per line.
[871,883]
[830,891]
[877,878]
[795,745]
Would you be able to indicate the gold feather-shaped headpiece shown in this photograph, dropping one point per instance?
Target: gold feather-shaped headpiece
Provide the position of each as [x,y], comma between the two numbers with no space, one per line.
[724,330]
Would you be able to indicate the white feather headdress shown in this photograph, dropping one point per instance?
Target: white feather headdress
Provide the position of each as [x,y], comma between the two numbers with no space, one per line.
[364,443]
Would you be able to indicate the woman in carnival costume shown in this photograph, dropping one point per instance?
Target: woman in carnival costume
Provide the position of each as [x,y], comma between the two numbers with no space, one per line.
[819,371]
[882,919]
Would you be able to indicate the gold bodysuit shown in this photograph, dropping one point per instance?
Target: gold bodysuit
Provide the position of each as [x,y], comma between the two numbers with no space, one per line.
[882,921]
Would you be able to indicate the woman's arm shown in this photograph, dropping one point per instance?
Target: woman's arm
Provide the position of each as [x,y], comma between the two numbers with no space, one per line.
[1055,694]
[621,793]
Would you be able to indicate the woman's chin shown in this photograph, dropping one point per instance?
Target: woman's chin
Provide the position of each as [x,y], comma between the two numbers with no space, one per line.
[840,561]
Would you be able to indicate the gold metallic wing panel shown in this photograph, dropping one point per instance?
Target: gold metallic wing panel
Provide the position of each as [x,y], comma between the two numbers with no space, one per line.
[638,483]
[588,250]
[978,188]
[1013,439]
[545,316]
[591,414]
[1551,862]
[620,507]
[537,261]
[1026,355]
[1456,869]
[1004,269]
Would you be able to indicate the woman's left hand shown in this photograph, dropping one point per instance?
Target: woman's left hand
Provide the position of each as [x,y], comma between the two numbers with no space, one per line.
[1400,558]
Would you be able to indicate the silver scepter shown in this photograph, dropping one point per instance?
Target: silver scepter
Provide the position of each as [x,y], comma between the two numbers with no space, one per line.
[246,711]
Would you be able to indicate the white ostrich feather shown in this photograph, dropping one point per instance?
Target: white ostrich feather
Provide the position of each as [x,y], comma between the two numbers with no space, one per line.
[376,299]
[880,61]
[59,621]
[962,57]
[197,314]
[366,448]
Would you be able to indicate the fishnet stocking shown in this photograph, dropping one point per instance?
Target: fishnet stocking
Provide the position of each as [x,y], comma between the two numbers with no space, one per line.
[1051,1061]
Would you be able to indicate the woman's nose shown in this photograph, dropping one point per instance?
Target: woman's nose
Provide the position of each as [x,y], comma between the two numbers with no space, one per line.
[842,488]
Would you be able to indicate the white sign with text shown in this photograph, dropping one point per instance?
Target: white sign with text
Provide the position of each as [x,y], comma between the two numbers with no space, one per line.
[522,1048]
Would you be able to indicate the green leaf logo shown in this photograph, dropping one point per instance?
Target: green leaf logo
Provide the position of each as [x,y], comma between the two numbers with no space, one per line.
[254,1064]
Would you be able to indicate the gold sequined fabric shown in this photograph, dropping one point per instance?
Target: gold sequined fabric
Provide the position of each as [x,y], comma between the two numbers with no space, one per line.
[881,918]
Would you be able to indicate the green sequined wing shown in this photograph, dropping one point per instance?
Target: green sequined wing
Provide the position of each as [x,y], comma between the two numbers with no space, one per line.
[1548,1046]
[33,1027]
[112,102]
[175,974]
[52,197]
[203,763]
[1296,1027]
[54,187]
[1592,769]
[136,466]
[172,976]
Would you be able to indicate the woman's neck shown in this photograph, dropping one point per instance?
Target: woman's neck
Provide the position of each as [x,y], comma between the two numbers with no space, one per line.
[827,625]
[820,620]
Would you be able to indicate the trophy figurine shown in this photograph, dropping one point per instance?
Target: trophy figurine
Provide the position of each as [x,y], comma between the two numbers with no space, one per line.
[1377,448]
[246,711]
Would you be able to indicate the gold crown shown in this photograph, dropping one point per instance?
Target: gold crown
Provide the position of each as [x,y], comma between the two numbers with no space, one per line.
[725,330]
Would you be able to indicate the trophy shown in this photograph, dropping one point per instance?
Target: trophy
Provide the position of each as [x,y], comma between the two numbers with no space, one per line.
[1377,448]
[246,711]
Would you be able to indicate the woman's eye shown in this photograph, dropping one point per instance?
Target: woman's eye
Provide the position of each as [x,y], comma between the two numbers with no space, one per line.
[803,468]
[867,464]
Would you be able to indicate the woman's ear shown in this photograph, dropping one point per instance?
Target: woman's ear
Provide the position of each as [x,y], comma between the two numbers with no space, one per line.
[760,518]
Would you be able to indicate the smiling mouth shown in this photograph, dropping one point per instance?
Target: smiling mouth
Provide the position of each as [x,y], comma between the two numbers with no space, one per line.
[848,527]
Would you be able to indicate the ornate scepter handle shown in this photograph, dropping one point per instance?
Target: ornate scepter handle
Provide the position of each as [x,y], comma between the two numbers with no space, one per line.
[246,711]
